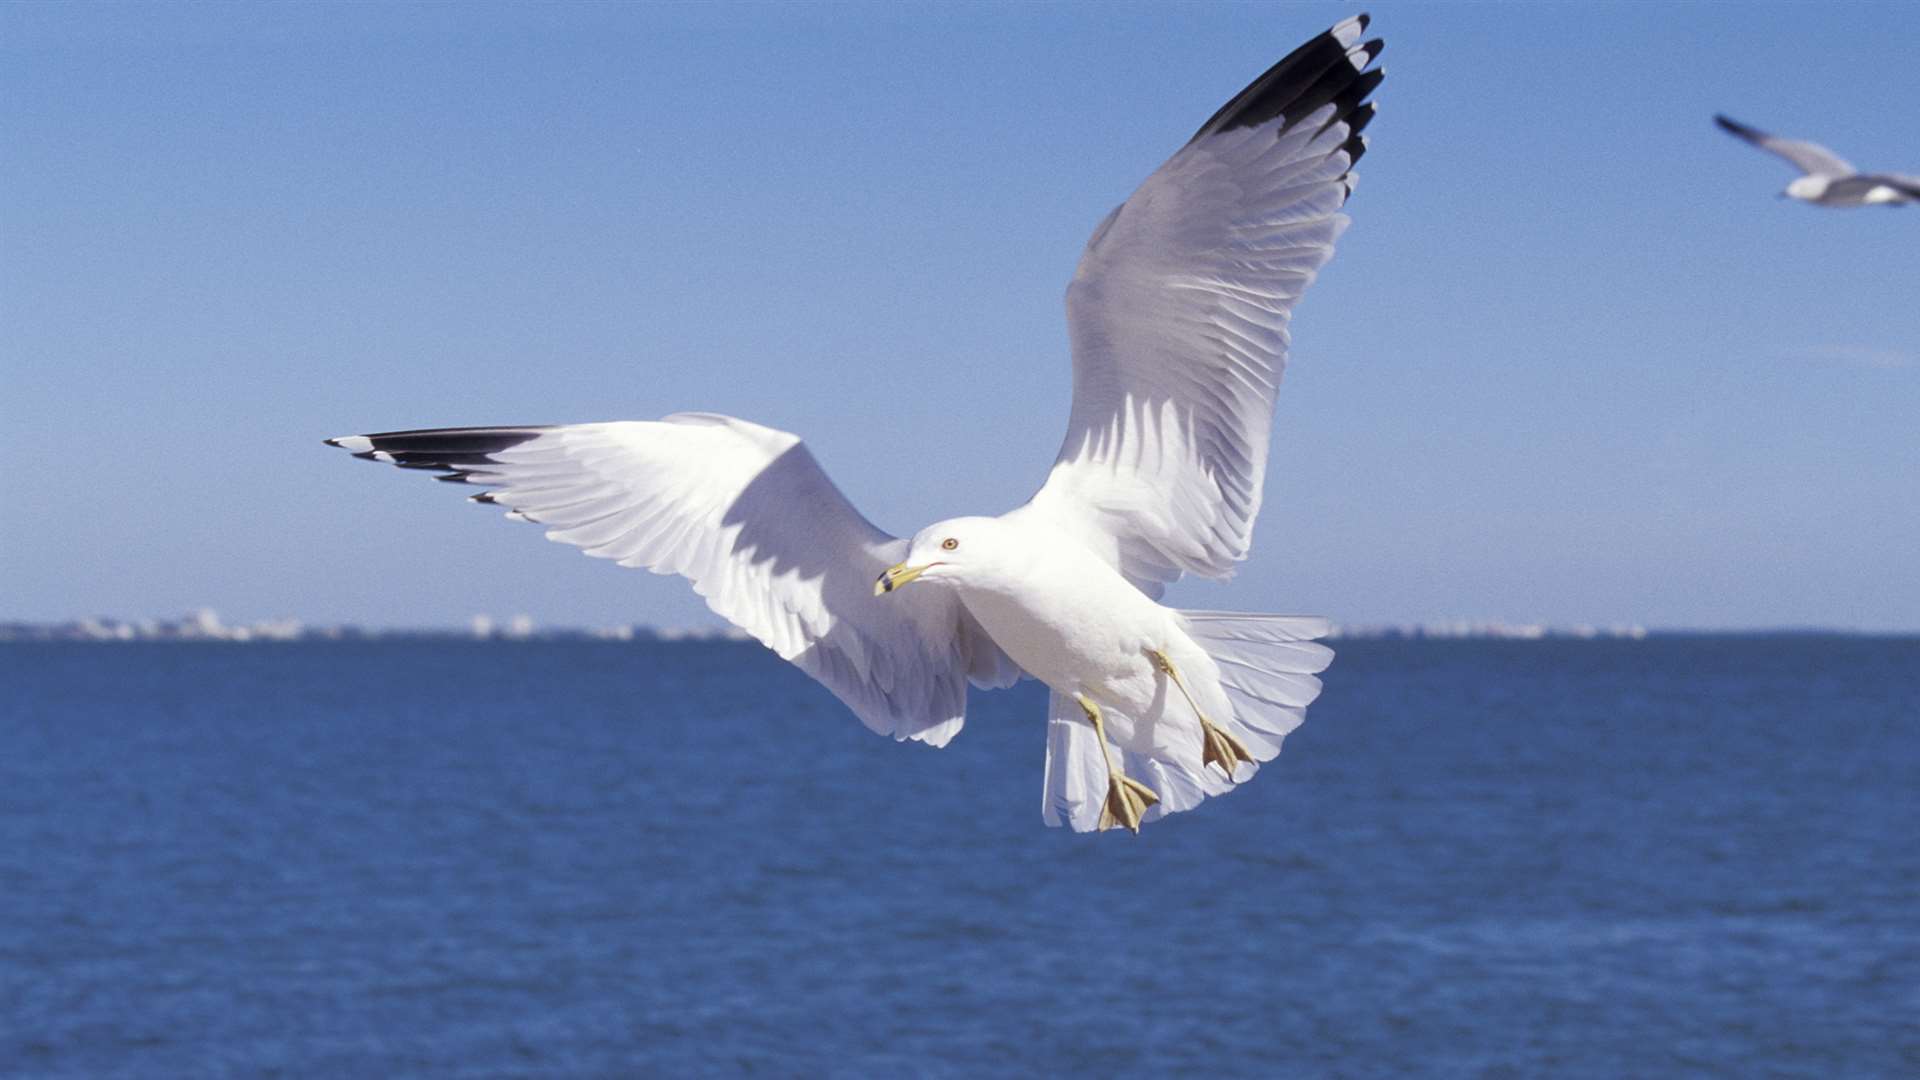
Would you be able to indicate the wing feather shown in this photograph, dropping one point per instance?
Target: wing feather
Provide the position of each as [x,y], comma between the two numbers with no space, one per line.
[1810,158]
[1179,311]
[746,514]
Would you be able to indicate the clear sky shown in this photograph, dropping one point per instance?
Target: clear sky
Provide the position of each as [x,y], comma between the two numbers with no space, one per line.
[1573,362]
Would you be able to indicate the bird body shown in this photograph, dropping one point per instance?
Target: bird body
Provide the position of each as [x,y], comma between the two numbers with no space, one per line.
[1068,619]
[1859,190]
[1179,313]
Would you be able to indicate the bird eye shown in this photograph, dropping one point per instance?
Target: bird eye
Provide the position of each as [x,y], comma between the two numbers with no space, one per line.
[949,544]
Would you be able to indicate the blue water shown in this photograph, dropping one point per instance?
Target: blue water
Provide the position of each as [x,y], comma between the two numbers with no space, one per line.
[1677,856]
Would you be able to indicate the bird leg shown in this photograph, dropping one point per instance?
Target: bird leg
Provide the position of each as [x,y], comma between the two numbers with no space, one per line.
[1127,798]
[1217,746]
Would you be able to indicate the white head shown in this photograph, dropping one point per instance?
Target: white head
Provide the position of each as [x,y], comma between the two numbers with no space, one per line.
[1808,188]
[959,551]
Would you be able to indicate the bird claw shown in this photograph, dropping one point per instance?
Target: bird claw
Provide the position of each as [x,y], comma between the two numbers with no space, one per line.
[1127,801]
[1220,748]
[1217,747]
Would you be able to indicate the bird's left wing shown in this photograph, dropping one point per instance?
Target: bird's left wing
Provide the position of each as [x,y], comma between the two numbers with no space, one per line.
[1810,158]
[748,515]
[1179,310]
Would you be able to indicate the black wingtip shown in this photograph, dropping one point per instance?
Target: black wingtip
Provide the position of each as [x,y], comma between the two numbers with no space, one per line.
[1358,119]
[442,449]
[1325,68]
[1354,147]
[1348,101]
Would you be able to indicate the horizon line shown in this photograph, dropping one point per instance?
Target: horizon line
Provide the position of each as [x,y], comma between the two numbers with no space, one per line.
[205,624]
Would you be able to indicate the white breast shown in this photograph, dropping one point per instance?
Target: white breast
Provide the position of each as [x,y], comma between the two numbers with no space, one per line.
[1067,617]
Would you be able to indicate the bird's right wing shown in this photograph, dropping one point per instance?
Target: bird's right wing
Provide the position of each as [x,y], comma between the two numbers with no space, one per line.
[748,515]
[1901,182]
[1810,158]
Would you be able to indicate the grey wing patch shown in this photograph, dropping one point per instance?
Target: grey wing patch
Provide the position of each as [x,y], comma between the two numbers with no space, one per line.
[1863,188]
[1905,185]
[1810,158]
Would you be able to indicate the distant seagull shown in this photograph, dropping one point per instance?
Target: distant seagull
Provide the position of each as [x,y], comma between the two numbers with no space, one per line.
[1830,180]
[1178,315]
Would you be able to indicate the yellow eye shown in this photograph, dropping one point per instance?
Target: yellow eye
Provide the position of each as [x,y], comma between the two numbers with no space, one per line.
[949,544]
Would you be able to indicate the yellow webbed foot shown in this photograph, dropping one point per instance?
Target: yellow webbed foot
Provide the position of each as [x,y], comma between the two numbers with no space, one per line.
[1217,746]
[1127,798]
[1220,748]
[1127,802]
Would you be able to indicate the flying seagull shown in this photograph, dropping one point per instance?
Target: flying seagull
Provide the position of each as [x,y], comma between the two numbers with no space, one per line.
[1829,179]
[1178,314]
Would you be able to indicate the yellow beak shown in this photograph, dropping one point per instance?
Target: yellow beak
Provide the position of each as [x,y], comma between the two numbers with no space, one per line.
[896,576]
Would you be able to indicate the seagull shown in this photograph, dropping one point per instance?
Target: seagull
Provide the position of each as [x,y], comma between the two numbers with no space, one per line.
[1178,312]
[1830,180]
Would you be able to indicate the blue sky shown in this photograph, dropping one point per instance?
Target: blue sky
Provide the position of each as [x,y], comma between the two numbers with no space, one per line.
[1572,363]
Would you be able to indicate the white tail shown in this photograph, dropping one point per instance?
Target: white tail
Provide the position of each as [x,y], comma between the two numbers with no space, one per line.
[1267,667]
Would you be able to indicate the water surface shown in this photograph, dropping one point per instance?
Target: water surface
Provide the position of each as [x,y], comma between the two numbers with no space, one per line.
[1676,856]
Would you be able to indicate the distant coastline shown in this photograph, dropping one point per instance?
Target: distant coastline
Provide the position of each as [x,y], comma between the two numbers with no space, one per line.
[206,625]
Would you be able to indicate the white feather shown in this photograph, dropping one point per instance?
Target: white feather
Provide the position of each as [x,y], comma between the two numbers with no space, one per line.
[746,514]
[1178,314]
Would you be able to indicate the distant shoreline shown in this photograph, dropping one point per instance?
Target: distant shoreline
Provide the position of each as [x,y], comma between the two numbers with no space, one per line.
[206,627]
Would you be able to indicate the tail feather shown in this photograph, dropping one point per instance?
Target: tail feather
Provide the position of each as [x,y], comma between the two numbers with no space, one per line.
[1076,781]
[1267,667]
[1179,787]
[1264,679]
[1229,626]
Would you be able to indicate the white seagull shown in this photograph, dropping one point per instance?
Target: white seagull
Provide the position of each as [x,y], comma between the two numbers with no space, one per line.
[1830,180]
[1178,313]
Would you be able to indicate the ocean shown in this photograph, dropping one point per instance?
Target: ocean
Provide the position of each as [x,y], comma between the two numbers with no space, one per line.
[1680,856]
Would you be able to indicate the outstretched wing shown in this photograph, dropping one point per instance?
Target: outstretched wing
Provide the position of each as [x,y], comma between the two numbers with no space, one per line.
[1810,158]
[1178,313]
[1901,182]
[746,514]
